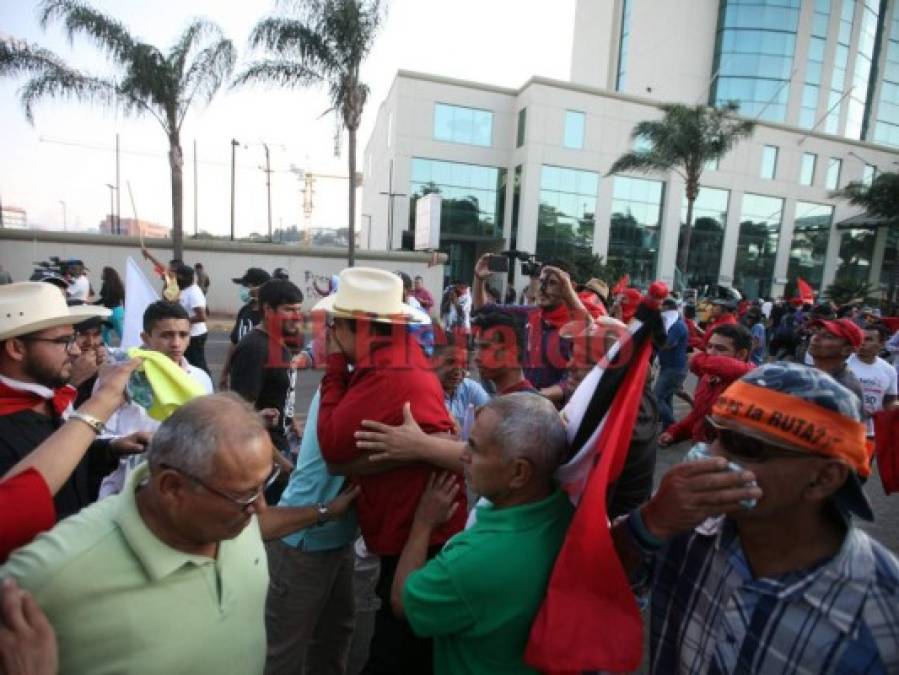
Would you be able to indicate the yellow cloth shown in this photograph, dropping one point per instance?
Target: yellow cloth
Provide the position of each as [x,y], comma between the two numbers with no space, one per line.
[172,386]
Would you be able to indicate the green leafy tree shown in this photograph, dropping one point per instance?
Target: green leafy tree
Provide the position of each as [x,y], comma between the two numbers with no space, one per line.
[147,80]
[684,141]
[323,42]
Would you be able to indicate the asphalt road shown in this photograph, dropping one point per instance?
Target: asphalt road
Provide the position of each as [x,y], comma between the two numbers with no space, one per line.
[885,528]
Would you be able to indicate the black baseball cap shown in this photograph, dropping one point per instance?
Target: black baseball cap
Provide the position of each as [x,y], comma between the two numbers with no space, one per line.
[281,273]
[254,276]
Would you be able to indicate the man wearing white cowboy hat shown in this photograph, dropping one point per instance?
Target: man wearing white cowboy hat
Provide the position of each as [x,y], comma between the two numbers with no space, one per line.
[37,350]
[389,368]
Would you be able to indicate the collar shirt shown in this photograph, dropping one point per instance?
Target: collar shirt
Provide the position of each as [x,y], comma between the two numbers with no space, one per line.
[710,614]
[122,601]
[468,393]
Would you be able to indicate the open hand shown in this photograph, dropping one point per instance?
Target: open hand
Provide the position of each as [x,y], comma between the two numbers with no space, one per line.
[112,379]
[27,640]
[338,506]
[401,442]
[132,444]
[438,503]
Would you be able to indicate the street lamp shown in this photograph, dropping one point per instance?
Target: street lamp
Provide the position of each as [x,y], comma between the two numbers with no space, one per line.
[64,225]
[112,227]
[234,144]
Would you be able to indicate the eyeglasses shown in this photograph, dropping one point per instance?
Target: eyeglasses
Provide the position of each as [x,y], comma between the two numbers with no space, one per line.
[751,449]
[67,341]
[243,502]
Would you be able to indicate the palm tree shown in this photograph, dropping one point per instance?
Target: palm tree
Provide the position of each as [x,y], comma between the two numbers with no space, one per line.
[149,81]
[324,43]
[684,141]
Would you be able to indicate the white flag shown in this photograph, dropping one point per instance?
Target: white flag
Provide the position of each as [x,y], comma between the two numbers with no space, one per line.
[139,294]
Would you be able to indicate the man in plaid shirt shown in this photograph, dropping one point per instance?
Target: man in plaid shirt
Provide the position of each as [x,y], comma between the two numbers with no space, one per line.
[782,582]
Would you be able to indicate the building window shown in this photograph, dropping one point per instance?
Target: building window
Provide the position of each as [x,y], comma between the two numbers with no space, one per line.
[886,128]
[769,162]
[712,164]
[870,173]
[574,130]
[623,43]
[840,63]
[462,125]
[754,49]
[389,128]
[857,109]
[707,236]
[473,196]
[522,125]
[856,254]
[833,173]
[567,211]
[634,228]
[807,171]
[757,244]
[811,230]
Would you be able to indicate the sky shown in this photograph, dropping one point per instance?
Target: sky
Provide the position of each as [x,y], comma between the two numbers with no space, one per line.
[68,156]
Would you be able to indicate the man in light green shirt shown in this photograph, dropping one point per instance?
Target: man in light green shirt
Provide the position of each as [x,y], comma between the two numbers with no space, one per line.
[169,576]
[478,597]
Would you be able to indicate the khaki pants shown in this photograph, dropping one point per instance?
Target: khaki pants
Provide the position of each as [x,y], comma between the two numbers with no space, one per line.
[309,610]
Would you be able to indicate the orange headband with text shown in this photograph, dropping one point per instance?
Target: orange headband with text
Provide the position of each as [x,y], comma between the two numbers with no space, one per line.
[794,422]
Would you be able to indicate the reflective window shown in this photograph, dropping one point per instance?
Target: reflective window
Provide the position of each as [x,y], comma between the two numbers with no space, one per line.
[623,43]
[634,228]
[574,130]
[856,108]
[840,62]
[712,164]
[757,245]
[811,230]
[473,196]
[807,170]
[832,181]
[566,215]
[769,162]
[808,112]
[522,124]
[886,127]
[707,235]
[870,173]
[856,254]
[462,125]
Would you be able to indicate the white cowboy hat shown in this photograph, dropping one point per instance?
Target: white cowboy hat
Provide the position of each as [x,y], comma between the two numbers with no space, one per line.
[373,294]
[30,306]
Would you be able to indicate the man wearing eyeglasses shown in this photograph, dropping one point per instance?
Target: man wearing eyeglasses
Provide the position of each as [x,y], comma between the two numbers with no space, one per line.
[38,349]
[751,556]
[170,575]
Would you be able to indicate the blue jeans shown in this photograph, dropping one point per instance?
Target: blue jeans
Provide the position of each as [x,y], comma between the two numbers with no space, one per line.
[668,383]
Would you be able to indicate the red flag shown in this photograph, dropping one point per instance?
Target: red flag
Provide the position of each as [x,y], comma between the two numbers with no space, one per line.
[619,287]
[589,619]
[804,291]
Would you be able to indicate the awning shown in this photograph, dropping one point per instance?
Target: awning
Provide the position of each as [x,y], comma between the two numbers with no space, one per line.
[863,221]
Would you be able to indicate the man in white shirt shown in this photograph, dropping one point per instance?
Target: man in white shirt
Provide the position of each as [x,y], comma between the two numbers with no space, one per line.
[194,302]
[166,330]
[79,285]
[877,376]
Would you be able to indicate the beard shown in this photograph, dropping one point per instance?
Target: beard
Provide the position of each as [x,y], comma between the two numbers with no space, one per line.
[45,375]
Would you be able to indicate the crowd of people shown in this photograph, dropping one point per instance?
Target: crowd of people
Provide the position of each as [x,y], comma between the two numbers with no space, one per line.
[412,522]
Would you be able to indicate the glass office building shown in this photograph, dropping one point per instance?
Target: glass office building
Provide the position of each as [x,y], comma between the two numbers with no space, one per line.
[634,227]
[811,230]
[757,245]
[566,215]
[707,236]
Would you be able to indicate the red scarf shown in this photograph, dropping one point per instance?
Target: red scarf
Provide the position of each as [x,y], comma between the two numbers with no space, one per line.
[16,400]
[560,315]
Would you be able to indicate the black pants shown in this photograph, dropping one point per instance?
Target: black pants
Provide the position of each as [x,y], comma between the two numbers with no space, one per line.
[196,352]
[395,649]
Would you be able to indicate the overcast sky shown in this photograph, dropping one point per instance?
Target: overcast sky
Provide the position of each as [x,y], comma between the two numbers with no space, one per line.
[68,154]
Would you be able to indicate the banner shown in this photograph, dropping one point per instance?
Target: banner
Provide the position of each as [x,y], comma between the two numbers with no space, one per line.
[139,293]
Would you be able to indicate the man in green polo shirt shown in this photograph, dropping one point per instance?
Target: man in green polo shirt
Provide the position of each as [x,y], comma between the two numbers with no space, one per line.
[478,597]
[170,575]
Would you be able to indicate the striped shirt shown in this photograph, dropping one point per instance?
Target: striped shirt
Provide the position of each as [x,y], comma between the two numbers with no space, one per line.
[711,615]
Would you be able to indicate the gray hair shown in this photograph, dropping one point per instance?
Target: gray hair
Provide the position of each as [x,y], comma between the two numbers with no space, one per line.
[191,436]
[529,428]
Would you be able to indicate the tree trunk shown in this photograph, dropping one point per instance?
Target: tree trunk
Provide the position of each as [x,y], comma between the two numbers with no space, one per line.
[683,251]
[176,163]
[351,235]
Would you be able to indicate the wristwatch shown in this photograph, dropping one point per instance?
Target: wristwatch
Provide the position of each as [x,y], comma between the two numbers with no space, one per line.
[323,513]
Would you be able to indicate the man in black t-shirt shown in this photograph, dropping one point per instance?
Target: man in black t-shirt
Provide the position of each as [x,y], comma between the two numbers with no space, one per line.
[247,317]
[263,366]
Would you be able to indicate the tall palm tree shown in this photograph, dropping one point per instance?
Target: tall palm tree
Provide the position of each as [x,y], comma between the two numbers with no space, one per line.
[325,43]
[684,141]
[148,81]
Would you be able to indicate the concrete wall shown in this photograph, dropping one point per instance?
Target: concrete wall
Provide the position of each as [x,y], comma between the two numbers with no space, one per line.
[223,260]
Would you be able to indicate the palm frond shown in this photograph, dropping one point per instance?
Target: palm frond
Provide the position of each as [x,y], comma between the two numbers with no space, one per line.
[880,198]
[639,161]
[205,76]
[17,57]
[190,40]
[109,34]
[284,72]
[65,83]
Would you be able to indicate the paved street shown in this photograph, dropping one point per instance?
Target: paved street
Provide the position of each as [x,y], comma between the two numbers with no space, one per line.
[886,509]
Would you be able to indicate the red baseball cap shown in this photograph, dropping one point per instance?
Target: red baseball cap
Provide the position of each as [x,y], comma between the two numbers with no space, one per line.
[844,328]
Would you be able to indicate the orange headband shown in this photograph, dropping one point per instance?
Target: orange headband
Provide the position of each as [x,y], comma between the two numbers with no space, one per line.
[794,422]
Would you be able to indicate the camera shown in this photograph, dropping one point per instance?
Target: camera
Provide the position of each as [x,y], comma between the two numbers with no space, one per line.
[530,266]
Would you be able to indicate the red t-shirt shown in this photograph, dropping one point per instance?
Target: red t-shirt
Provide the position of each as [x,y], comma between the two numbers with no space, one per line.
[26,510]
[377,391]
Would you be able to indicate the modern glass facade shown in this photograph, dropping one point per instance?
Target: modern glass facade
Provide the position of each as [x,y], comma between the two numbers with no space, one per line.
[516,207]
[808,112]
[840,63]
[858,98]
[754,50]
[856,255]
[811,230]
[573,135]
[623,43]
[807,169]
[757,245]
[707,236]
[769,162]
[456,124]
[832,180]
[566,214]
[635,226]
[886,127]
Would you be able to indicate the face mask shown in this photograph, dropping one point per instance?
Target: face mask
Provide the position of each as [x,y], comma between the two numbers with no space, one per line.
[245,296]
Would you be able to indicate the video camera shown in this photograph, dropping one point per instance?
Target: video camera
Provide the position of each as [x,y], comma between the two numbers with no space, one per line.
[52,266]
[530,266]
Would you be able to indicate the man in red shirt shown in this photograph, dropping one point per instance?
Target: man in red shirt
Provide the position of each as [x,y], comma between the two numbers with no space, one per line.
[500,340]
[367,331]
[723,314]
[726,358]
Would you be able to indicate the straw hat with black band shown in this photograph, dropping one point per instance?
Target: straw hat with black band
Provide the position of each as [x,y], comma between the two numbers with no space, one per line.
[31,306]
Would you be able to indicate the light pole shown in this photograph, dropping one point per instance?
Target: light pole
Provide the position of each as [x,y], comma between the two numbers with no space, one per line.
[234,144]
[64,225]
[268,188]
[112,220]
